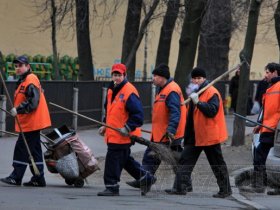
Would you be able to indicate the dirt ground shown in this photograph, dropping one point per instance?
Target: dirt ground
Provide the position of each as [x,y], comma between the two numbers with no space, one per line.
[202,177]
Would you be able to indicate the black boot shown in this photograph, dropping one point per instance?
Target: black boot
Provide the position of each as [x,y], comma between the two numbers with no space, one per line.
[173,191]
[10,181]
[274,192]
[135,184]
[222,194]
[108,192]
[146,184]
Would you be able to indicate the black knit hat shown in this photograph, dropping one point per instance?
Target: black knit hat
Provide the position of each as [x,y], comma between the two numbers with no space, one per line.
[198,72]
[162,70]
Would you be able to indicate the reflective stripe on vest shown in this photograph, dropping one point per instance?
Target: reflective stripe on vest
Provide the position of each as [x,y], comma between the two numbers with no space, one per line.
[209,131]
[117,116]
[37,119]
[160,118]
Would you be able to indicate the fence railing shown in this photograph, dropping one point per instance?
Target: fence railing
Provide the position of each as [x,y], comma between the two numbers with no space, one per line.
[88,99]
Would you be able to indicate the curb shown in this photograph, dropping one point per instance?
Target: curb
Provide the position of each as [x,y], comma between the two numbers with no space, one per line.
[238,174]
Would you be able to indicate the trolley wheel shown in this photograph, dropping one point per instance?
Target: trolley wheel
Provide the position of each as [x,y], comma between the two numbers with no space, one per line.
[79,183]
[69,181]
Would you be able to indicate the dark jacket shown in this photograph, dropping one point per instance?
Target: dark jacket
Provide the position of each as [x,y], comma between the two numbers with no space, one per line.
[32,95]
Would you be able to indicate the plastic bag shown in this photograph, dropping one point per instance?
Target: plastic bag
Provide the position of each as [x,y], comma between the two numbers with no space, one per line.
[255,142]
[68,166]
[88,163]
[256,108]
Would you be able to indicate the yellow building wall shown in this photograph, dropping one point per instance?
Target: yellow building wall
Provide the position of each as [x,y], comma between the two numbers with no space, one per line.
[18,36]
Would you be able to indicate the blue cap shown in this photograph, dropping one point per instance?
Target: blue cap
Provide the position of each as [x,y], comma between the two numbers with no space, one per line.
[21,59]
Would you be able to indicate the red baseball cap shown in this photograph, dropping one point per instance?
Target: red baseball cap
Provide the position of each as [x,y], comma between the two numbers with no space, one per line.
[119,67]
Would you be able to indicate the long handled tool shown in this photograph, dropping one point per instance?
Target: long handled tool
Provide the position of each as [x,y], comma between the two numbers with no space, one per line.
[214,81]
[36,171]
[256,123]
[162,151]
[93,120]
[10,133]
[14,134]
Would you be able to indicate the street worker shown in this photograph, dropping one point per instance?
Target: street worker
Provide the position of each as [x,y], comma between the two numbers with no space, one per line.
[125,112]
[205,131]
[31,109]
[168,119]
[269,116]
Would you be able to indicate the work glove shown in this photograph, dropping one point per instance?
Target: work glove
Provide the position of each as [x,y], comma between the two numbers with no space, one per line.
[133,139]
[125,130]
[101,130]
[170,136]
[13,112]
[194,97]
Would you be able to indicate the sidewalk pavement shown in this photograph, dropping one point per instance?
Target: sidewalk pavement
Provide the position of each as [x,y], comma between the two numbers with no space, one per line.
[96,143]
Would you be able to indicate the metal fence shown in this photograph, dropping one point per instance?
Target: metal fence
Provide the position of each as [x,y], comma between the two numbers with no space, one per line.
[89,100]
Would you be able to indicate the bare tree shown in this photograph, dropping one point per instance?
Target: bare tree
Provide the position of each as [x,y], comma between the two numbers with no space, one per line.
[54,46]
[86,71]
[277,23]
[142,29]
[215,35]
[246,55]
[53,14]
[188,40]
[166,31]
[132,23]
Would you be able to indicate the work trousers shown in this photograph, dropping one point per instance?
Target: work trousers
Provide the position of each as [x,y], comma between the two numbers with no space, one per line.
[152,161]
[21,157]
[118,159]
[187,163]
[260,156]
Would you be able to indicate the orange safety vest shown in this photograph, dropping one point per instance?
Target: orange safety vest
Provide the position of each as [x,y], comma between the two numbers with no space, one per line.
[160,117]
[209,131]
[271,104]
[37,119]
[117,115]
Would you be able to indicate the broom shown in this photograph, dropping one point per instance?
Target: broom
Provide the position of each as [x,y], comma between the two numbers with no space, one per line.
[162,151]
[36,171]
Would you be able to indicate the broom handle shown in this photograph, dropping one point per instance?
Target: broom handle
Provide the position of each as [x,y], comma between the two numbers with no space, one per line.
[213,82]
[140,140]
[14,134]
[36,171]
[83,116]
[10,133]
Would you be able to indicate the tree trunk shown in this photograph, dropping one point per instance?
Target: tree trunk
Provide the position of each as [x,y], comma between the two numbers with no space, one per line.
[54,46]
[246,55]
[215,37]
[166,32]
[277,24]
[2,66]
[86,70]
[188,41]
[132,23]
[139,38]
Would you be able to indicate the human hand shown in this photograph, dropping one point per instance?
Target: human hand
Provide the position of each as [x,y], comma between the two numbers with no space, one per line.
[170,136]
[194,97]
[133,139]
[124,131]
[256,129]
[13,112]
[101,130]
